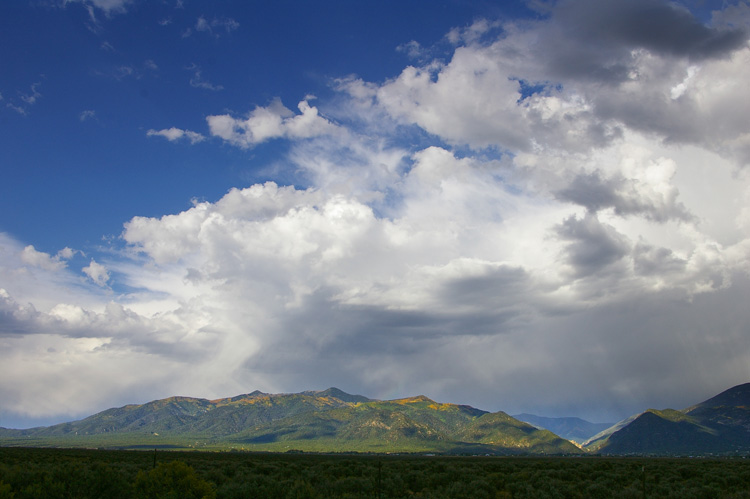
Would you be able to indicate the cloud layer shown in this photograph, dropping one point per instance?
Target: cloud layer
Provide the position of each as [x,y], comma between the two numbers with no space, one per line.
[552,219]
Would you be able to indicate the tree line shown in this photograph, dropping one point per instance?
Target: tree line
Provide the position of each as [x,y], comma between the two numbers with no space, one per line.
[78,473]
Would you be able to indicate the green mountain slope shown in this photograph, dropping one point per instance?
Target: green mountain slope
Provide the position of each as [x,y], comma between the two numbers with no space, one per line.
[502,431]
[323,421]
[185,415]
[415,424]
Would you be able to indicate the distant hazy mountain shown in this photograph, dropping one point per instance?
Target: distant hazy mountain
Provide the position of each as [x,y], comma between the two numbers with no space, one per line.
[575,429]
[324,421]
[720,425]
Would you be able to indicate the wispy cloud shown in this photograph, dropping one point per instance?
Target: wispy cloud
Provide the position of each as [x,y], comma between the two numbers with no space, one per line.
[16,108]
[174,134]
[26,99]
[87,114]
[225,24]
[108,7]
[412,49]
[198,81]
[215,27]
[127,71]
[31,97]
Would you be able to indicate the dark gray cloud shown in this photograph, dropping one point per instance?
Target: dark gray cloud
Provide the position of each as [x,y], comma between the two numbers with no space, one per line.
[650,260]
[495,286]
[592,245]
[636,65]
[649,350]
[655,25]
[15,319]
[596,192]
[120,329]
[477,306]
[591,191]
[646,350]
[652,111]
[593,39]
[640,65]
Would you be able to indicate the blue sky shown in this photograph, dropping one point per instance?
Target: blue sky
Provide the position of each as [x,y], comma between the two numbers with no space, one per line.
[523,206]
[105,76]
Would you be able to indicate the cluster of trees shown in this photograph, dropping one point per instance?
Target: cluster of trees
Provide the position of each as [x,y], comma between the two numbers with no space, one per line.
[66,473]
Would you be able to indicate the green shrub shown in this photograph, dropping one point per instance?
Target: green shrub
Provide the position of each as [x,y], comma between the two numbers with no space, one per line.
[175,480]
[5,491]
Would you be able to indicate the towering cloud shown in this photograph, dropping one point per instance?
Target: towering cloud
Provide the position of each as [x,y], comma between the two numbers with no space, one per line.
[553,217]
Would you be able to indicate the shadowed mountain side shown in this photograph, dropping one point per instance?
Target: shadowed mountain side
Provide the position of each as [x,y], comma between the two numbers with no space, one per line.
[720,425]
[594,443]
[737,396]
[728,411]
[658,432]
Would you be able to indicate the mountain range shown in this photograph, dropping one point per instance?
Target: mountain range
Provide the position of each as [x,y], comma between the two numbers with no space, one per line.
[334,421]
[319,421]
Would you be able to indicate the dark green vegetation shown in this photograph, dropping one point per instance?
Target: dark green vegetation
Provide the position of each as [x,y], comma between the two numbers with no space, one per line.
[575,429]
[79,473]
[720,425]
[326,421]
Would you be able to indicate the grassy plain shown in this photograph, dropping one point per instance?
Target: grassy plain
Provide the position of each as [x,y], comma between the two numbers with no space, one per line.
[81,473]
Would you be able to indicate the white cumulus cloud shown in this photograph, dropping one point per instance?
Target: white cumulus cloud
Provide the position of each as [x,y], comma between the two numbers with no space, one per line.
[97,273]
[273,121]
[31,256]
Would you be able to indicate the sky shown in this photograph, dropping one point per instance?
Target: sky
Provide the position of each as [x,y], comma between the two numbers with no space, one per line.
[532,206]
